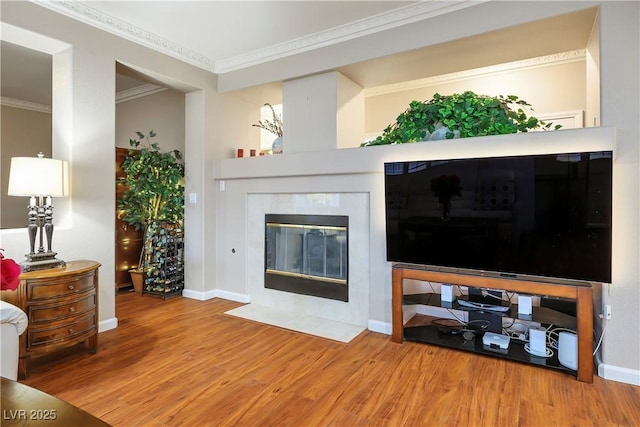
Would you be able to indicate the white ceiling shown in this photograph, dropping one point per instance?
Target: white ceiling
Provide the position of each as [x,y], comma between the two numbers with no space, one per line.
[223,30]
[225,35]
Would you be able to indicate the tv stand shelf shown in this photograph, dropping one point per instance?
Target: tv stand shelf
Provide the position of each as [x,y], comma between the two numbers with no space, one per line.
[580,292]
[540,314]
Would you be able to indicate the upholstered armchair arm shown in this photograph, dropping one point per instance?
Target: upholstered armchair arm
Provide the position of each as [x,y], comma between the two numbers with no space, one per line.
[11,314]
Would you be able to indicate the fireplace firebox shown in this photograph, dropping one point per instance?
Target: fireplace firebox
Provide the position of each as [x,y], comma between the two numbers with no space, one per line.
[307,254]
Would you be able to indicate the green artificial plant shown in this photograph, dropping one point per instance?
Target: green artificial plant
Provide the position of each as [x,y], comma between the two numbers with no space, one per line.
[154,189]
[460,115]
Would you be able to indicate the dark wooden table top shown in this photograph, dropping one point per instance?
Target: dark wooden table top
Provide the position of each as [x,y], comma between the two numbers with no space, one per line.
[26,406]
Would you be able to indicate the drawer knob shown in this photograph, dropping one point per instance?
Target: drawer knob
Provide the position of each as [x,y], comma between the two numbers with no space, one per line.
[72,309]
[71,287]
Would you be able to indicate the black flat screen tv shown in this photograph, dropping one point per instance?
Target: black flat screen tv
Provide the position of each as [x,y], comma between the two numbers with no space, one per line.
[536,215]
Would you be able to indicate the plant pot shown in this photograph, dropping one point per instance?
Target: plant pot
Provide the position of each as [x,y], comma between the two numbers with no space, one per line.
[137,278]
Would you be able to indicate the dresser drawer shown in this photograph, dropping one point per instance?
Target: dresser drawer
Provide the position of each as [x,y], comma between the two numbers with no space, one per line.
[53,312]
[59,287]
[62,332]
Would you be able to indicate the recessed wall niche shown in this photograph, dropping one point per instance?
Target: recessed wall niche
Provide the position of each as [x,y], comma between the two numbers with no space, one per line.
[25,119]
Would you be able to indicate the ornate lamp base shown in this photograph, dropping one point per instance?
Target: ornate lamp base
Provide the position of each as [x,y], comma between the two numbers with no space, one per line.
[41,261]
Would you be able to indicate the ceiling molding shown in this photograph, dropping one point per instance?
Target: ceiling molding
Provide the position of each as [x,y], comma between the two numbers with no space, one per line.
[381,22]
[25,105]
[138,92]
[122,96]
[84,13]
[541,61]
[392,19]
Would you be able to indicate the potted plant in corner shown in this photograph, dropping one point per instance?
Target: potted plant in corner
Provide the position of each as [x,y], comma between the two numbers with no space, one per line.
[153,201]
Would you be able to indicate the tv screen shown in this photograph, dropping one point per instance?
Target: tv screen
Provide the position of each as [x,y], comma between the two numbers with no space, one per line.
[542,215]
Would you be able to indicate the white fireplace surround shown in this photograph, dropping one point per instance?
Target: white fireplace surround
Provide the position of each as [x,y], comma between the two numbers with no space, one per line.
[353,205]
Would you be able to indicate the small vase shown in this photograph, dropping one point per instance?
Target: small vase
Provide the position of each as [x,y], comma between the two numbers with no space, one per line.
[445,210]
[276,147]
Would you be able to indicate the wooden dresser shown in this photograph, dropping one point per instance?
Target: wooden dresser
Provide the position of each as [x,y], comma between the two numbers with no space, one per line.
[62,307]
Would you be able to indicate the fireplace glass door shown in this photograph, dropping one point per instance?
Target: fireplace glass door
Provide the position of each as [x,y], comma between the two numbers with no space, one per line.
[312,250]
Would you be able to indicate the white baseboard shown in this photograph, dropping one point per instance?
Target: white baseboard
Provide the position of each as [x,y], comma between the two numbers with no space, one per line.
[215,293]
[232,296]
[378,326]
[105,325]
[199,295]
[617,373]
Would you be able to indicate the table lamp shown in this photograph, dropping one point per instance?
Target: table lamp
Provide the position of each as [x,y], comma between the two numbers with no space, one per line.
[39,179]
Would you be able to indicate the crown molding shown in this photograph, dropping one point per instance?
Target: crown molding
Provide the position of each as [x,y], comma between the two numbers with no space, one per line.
[81,11]
[541,61]
[395,18]
[138,92]
[123,96]
[85,13]
[25,105]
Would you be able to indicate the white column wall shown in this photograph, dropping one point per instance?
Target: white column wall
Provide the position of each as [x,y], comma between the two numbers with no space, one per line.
[620,107]
[323,112]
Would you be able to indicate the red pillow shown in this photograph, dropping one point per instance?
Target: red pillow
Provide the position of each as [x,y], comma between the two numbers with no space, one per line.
[10,272]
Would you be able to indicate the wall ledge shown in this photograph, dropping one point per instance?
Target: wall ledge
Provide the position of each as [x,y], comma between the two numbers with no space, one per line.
[368,160]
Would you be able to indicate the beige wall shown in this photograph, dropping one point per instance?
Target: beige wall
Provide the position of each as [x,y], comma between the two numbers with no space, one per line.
[24,134]
[162,112]
[549,89]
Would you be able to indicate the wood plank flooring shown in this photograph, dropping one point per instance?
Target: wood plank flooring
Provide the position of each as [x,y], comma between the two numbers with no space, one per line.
[182,362]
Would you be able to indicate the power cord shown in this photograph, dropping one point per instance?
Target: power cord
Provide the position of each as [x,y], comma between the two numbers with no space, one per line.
[461,321]
[553,335]
[601,337]
[486,294]
[547,351]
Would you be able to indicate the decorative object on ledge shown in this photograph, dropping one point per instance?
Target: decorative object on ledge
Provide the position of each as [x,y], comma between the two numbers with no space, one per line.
[460,116]
[275,127]
[276,147]
[153,201]
[39,179]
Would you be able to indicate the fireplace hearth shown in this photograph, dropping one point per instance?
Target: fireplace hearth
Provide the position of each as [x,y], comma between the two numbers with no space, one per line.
[307,254]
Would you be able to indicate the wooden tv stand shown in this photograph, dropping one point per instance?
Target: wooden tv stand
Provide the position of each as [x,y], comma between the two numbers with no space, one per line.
[580,292]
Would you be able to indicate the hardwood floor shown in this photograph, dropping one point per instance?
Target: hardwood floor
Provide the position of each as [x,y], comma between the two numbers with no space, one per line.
[184,362]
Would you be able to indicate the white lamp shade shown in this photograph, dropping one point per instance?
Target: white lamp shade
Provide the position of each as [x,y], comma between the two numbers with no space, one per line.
[35,176]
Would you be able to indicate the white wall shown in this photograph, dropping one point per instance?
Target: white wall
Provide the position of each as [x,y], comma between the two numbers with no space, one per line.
[162,112]
[620,107]
[324,112]
[551,88]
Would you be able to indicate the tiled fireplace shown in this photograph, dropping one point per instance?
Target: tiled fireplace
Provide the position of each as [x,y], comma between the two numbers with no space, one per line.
[324,240]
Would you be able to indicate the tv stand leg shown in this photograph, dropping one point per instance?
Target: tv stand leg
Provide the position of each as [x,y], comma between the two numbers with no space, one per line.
[584,316]
[397,335]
